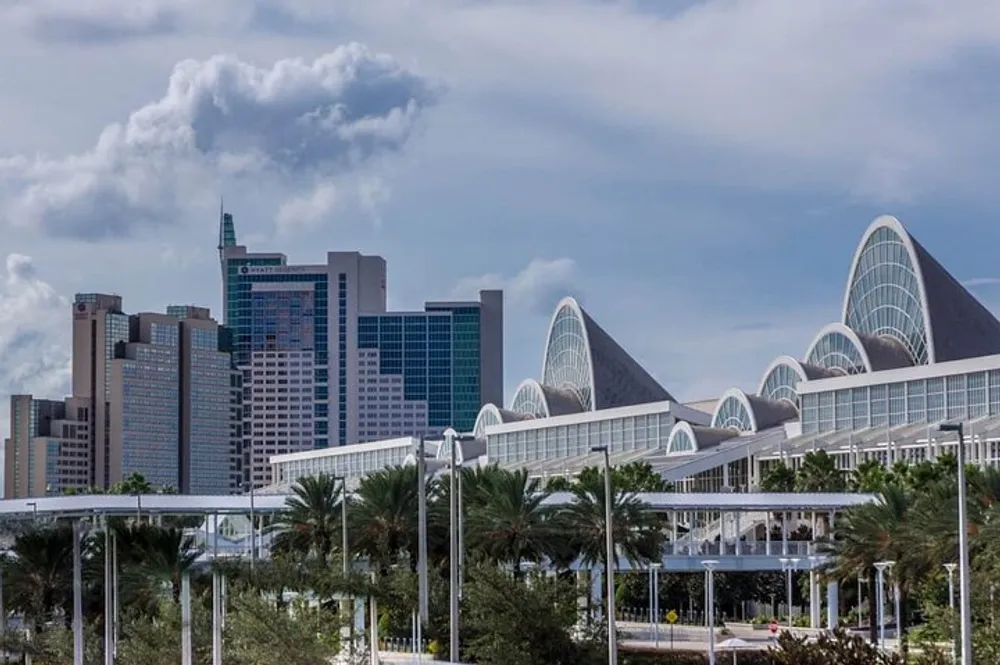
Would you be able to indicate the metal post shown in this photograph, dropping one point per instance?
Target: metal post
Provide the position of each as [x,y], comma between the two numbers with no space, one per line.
[649,584]
[186,619]
[609,571]
[3,614]
[216,618]
[950,567]
[77,594]
[880,591]
[965,595]
[109,611]
[453,549]
[710,568]
[461,533]
[373,620]
[115,609]
[422,533]
[253,522]
[656,604]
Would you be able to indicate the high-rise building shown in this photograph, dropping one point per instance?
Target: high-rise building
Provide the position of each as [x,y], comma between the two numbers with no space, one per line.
[99,324]
[324,363]
[30,418]
[159,395]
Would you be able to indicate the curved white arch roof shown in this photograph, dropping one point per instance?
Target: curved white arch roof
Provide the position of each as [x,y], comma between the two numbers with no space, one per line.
[747,413]
[491,414]
[581,357]
[156,504]
[540,401]
[842,350]
[896,289]
[783,375]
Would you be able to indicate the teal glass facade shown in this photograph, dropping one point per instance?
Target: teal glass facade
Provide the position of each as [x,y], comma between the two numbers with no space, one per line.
[466,348]
[417,347]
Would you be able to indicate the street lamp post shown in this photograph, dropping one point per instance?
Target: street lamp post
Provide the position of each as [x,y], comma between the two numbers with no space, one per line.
[452,440]
[656,566]
[881,567]
[963,547]
[710,567]
[950,567]
[609,543]
[789,566]
[421,535]
[345,604]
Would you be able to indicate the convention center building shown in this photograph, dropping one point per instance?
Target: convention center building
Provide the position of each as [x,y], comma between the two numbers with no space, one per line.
[913,349]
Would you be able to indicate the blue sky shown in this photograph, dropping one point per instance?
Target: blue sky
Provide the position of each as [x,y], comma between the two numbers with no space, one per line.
[698,174]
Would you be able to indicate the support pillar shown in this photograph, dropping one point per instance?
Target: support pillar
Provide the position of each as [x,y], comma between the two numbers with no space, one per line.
[815,603]
[78,595]
[596,593]
[216,618]
[186,646]
[373,619]
[832,605]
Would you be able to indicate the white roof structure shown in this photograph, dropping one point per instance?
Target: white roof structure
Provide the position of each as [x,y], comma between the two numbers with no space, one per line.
[86,505]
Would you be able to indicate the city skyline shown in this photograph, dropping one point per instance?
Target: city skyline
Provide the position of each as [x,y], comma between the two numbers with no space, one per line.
[675,188]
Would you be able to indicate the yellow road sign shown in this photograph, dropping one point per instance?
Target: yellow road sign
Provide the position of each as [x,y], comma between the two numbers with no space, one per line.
[672,617]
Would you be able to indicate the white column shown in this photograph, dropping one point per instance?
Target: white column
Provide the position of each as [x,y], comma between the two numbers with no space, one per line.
[814,601]
[832,605]
[596,587]
[186,619]
[216,618]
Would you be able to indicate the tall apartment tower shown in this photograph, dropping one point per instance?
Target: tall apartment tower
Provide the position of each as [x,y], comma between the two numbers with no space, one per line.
[325,364]
[99,325]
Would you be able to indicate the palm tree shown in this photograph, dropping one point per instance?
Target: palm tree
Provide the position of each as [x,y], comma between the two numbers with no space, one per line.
[636,531]
[383,516]
[508,522]
[886,530]
[310,523]
[153,560]
[38,576]
[819,473]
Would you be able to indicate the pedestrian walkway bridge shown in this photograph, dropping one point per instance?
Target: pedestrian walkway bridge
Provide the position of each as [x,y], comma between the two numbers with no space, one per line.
[735,529]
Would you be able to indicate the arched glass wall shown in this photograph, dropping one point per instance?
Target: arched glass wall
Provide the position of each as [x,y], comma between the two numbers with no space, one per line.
[732,413]
[884,299]
[681,442]
[780,384]
[836,351]
[488,416]
[567,356]
[530,399]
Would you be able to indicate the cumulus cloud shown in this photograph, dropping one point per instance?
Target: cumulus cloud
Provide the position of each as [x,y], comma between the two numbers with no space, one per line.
[34,334]
[89,21]
[307,211]
[537,288]
[294,120]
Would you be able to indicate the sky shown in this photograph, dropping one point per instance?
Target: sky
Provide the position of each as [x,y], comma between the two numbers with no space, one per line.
[697,173]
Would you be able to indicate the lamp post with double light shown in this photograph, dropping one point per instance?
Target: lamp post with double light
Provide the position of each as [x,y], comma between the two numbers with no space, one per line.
[710,567]
[452,439]
[789,566]
[654,600]
[609,543]
[965,610]
[951,567]
[881,567]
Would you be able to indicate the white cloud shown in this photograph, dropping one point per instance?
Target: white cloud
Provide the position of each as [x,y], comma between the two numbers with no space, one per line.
[794,92]
[538,287]
[291,120]
[34,336]
[303,212]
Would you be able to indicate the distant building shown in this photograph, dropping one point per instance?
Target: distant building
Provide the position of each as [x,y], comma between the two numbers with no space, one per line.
[154,394]
[324,364]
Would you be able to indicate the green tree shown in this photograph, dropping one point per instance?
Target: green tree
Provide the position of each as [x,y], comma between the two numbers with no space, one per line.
[778,478]
[310,524]
[509,523]
[496,632]
[819,473]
